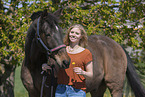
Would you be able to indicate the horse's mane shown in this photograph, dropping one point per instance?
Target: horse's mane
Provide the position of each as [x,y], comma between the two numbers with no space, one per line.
[49,17]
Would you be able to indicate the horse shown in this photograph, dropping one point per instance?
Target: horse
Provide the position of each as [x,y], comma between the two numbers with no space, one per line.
[111,63]
[43,44]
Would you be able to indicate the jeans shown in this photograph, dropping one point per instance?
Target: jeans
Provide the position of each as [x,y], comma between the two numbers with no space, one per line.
[68,91]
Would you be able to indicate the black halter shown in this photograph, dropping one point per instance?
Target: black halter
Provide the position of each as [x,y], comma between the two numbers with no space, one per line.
[49,51]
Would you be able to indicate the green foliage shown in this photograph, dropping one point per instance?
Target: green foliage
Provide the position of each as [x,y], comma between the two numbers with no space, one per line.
[15,21]
[105,18]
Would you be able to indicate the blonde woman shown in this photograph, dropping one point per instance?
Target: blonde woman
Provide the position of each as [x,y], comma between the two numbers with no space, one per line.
[71,81]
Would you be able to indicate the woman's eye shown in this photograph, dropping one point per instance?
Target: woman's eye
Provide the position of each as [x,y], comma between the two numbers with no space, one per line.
[77,33]
[71,32]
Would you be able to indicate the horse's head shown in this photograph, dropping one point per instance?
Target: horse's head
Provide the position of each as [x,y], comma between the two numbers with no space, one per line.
[49,36]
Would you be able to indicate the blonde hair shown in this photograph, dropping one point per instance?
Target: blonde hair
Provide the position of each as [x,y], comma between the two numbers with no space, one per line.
[83,41]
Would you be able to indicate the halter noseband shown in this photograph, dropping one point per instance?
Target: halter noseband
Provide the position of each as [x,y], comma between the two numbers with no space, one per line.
[49,51]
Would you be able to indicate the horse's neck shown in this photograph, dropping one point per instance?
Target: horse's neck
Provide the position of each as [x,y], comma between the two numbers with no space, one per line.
[36,56]
[28,42]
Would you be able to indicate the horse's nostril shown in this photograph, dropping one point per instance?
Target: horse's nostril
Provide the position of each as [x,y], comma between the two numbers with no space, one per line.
[65,62]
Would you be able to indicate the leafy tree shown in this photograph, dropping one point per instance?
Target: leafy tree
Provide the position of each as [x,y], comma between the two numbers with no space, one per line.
[15,20]
[11,46]
[103,17]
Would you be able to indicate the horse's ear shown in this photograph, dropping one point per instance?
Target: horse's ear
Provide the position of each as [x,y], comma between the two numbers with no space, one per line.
[35,15]
[44,13]
[58,12]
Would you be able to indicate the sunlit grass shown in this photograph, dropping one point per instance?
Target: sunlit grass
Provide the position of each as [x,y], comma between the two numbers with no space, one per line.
[19,89]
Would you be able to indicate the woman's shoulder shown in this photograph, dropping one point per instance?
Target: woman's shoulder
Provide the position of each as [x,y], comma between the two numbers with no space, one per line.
[87,50]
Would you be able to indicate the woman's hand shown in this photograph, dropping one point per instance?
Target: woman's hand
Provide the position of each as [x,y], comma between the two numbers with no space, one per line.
[78,70]
[45,67]
[88,73]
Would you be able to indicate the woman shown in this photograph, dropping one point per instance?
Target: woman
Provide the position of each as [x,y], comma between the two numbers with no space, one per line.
[71,81]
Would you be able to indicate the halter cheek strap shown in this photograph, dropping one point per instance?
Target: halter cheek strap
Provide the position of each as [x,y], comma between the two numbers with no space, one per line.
[49,51]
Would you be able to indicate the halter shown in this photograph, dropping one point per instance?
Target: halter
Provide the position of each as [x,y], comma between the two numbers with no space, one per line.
[49,51]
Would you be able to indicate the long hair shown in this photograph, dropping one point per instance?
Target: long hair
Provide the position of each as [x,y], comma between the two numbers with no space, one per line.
[83,41]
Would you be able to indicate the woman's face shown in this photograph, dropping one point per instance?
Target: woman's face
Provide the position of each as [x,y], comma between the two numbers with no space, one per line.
[75,35]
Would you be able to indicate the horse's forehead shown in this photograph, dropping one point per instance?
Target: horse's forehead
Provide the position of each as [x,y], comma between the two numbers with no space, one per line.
[55,25]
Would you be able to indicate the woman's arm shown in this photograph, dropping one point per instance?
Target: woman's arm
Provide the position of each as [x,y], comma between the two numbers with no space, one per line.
[89,70]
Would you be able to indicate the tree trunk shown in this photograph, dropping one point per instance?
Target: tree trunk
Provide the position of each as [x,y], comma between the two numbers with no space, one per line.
[7,81]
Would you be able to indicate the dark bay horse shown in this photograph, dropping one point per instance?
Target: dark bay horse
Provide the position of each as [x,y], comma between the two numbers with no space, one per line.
[43,44]
[111,63]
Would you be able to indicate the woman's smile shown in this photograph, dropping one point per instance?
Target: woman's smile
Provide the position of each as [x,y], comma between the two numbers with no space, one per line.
[75,35]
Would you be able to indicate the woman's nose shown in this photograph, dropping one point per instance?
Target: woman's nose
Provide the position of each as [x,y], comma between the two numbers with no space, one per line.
[73,36]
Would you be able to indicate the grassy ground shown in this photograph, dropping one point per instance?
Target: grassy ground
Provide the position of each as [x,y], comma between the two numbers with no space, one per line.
[20,91]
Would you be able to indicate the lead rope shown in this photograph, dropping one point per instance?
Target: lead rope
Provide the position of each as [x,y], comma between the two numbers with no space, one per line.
[52,80]
[44,79]
[43,82]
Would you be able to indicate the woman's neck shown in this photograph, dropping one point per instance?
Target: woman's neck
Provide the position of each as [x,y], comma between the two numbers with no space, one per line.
[74,49]
[72,45]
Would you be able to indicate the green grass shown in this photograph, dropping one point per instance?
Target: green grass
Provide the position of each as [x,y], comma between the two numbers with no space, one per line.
[20,91]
